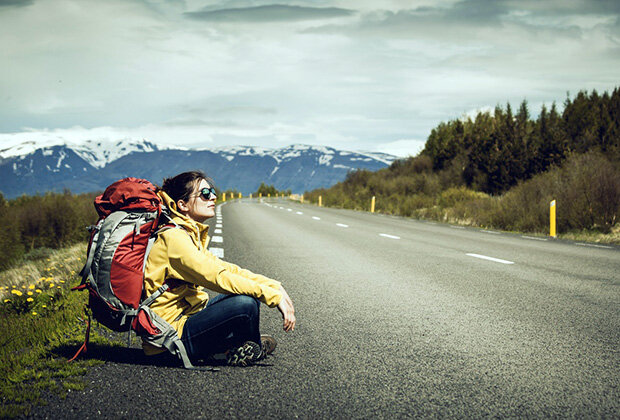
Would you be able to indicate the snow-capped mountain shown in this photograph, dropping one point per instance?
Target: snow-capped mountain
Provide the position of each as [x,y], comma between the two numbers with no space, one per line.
[91,166]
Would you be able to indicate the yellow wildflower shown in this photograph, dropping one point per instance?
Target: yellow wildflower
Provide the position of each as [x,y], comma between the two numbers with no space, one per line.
[58,287]
[62,281]
[44,306]
[23,287]
[34,313]
[30,300]
[7,300]
[38,291]
[31,287]
[30,293]
[42,278]
[16,292]
[51,285]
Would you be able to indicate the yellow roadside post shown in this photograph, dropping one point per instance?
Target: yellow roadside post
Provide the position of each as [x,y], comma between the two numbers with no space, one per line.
[372,204]
[302,199]
[250,195]
[320,201]
[260,195]
[224,197]
[268,195]
[239,195]
[552,232]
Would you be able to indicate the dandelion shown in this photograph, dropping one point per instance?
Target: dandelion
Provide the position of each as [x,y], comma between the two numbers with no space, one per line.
[51,285]
[34,313]
[44,306]
[23,287]
[30,293]
[14,286]
[16,292]
[58,287]
[30,300]
[31,287]
[62,281]
[42,278]
[7,300]
[39,291]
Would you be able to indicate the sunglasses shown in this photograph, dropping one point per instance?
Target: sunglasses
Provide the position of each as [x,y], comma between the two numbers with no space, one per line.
[206,193]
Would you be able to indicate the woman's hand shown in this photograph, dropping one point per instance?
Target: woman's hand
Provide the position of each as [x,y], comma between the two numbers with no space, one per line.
[287,310]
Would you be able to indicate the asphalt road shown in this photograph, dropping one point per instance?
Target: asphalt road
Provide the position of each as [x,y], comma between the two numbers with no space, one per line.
[396,318]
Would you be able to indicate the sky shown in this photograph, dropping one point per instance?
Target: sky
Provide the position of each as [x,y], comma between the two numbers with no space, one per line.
[351,74]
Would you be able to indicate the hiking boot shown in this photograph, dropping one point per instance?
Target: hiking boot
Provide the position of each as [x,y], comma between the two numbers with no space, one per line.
[268,344]
[245,355]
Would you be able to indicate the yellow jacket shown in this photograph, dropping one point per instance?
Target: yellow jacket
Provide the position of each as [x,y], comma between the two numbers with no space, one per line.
[180,256]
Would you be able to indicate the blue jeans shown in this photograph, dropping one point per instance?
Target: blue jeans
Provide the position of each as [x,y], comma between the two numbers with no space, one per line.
[226,322]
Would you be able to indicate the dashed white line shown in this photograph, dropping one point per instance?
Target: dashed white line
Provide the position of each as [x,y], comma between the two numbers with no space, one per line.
[342,225]
[385,235]
[218,225]
[217,239]
[490,231]
[218,252]
[594,245]
[218,231]
[316,218]
[533,238]
[298,212]
[484,257]
[289,209]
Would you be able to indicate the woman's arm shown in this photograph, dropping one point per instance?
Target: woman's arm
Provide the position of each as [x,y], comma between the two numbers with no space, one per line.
[287,310]
[189,264]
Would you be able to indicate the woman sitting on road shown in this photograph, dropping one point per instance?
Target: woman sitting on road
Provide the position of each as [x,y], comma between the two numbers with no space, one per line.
[227,323]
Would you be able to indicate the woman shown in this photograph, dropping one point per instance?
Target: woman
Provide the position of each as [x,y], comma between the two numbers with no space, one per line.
[228,323]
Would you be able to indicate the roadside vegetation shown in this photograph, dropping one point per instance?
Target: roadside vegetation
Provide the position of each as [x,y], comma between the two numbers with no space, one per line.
[40,328]
[501,170]
[270,190]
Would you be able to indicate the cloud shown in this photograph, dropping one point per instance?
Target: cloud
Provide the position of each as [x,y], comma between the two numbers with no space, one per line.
[269,13]
[15,3]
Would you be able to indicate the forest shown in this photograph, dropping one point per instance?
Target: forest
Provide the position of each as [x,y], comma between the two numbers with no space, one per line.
[501,169]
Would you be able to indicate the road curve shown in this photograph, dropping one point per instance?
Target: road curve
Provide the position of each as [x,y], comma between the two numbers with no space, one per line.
[396,318]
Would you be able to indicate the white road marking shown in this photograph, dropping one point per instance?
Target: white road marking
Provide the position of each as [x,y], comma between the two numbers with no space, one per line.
[289,209]
[594,245]
[218,252]
[218,231]
[484,257]
[298,212]
[457,227]
[385,235]
[490,231]
[218,225]
[533,238]
[431,223]
[316,218]
[217,239]
[341,225]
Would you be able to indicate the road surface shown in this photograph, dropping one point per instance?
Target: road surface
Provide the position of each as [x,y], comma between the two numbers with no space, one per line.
[396,318]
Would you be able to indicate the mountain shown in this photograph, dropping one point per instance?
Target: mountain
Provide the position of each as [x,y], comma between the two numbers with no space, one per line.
[29,169]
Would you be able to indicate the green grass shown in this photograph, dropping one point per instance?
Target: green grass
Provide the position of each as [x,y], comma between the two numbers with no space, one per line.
[40,329]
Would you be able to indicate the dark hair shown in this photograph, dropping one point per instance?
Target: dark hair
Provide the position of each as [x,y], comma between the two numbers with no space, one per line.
[180,187]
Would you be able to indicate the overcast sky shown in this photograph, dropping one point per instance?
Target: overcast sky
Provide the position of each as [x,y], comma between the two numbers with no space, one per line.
[351,74]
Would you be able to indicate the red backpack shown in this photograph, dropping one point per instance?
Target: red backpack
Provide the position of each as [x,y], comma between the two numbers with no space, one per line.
[130,217]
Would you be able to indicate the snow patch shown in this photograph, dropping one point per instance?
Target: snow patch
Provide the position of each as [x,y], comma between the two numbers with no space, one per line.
[325,159]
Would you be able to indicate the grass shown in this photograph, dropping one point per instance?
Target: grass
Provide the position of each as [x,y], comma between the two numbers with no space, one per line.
[40,328]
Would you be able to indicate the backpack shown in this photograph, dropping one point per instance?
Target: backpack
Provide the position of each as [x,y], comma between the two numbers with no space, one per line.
[131,216]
